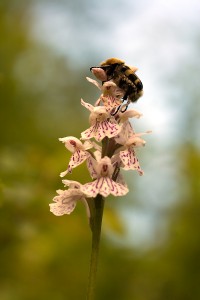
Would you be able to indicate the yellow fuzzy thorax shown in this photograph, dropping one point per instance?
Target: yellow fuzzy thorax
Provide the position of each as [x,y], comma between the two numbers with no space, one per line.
[111,61]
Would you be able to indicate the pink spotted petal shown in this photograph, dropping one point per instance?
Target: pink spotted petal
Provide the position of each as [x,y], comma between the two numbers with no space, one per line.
[72,143]
[110,102]
[59,209]
[76,159]
[65,201]
[92,166]
[104,186]
[130,160]
[99,166]
[101,130]
[98,114]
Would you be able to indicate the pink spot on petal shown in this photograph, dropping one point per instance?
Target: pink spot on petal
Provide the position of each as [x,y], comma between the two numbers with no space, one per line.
[73,143]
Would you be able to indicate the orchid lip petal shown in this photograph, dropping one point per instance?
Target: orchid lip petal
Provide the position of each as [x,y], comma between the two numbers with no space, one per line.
[66,200]
[104,186]
[100,130]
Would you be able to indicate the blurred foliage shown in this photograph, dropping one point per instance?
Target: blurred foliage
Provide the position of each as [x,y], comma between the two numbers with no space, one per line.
[44,257]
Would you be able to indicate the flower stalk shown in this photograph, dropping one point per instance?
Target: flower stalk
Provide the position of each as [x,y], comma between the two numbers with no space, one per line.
[96,209]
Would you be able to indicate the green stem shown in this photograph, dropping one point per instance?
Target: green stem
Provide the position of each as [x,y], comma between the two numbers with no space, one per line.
[105,146]
[96,210]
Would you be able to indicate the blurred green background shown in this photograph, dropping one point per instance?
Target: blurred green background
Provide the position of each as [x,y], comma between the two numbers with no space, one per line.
[150,245]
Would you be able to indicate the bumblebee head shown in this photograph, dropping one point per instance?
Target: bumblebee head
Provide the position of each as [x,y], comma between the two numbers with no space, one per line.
[105,70]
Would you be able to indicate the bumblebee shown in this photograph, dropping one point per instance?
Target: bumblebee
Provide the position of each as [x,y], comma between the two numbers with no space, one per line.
[123,76]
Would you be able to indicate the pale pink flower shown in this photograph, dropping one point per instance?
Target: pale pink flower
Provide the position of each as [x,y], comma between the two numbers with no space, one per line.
[127,154]
[103,185]
[65,201]
[129,140]
[129,160]
[101,123]
[126,128]
[79,152]
[111,94]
